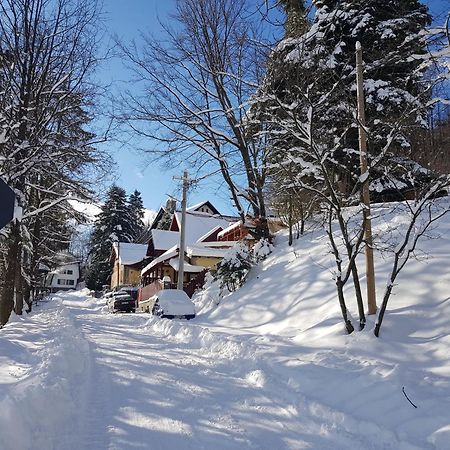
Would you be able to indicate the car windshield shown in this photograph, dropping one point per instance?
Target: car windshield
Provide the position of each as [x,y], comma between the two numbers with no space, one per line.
[122,297]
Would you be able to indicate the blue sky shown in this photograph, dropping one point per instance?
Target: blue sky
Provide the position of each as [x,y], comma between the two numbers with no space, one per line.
[132,171]
[126,19]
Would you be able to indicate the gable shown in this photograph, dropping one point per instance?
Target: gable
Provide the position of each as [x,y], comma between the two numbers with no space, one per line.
[204,207]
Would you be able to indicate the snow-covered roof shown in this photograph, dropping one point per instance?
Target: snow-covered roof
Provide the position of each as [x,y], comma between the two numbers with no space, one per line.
[208,233]
[170,253]
[191,250]
[230,228]
[199,205]
[201,250]
[43,267]
[130,253]
[174,263]
[197,225]
[222,244]
[163,239]
[235,225]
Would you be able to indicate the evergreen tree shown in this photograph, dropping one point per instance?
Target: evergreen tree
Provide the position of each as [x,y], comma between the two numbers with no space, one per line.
[113,225]
[232,271]
[136,208]
[169,210]
[295,23]
[320,69]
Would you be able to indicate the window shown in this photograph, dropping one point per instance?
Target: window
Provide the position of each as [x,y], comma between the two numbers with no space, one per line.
[67,272]
[64,282]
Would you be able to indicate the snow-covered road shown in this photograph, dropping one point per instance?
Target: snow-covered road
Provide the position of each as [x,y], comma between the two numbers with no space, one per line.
[163,384]
[76,377]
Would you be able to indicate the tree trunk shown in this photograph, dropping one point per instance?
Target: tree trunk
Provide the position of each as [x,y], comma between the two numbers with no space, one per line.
[359,299]
[302,221]
[18,286]
[27,296]
[340,290]
[386,296]
[7,298]
[290,222]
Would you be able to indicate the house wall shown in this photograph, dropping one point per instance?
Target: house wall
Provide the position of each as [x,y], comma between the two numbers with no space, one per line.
[206,261]
[235,234]
[128,275]
[64,277]
[205,209]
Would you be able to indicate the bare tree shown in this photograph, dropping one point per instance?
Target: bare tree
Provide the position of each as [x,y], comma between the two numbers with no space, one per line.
[48,52]
[422,213]
[196,88]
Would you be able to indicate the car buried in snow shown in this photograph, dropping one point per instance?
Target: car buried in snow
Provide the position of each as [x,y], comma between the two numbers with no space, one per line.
[170,304]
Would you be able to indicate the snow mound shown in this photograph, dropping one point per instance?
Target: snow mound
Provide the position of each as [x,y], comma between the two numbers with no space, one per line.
[52,360]
[199,337]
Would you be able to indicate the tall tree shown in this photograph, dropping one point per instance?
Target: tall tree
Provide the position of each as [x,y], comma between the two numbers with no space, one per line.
[392,35]
[197,83]
[136,207]
[48,51]
[307,108]
[114,224]
[295,23]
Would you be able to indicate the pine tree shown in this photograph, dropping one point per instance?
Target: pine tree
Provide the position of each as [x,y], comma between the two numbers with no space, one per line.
[169,210]
[113,225]
[232,271]
[323,61]
[136,209]
[295,23]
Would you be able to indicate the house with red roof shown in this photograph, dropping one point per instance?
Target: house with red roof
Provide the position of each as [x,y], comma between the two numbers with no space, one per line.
[203,249]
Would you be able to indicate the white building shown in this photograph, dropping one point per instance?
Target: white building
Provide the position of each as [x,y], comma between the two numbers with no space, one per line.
[64,277]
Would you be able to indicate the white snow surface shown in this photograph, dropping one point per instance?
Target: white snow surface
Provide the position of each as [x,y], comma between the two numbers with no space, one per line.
[198,224]
[270,367]
[130,253]
[164,239]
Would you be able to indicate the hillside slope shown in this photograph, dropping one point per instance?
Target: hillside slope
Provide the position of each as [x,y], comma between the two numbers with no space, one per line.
[292,296]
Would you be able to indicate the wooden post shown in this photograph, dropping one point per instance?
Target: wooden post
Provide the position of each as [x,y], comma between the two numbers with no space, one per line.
[370,272]
[118,263]
[185,181]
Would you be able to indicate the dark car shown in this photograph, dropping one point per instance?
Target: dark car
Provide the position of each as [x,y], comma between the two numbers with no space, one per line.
[122,302]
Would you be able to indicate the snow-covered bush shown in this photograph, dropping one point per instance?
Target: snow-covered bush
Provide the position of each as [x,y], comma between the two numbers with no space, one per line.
[234,267]
[262,249]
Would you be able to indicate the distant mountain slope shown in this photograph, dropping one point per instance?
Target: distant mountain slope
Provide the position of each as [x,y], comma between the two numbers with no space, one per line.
[91,211]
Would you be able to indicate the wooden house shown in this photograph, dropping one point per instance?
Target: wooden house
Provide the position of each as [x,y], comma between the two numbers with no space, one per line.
[203,250]
[127,260]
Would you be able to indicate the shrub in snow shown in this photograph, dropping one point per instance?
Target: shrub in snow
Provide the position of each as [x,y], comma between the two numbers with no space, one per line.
[262,249]
[234,267]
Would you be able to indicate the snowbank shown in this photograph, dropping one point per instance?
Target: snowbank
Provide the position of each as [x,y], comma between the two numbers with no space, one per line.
[43,361]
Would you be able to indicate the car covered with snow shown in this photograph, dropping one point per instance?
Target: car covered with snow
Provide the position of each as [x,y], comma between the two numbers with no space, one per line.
[121,301]
[169,303]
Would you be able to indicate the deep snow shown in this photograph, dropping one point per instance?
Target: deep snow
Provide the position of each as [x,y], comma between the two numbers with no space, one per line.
[269,368]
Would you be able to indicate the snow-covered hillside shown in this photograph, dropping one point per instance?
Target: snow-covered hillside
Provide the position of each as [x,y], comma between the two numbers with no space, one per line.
[269,368]
[91,211]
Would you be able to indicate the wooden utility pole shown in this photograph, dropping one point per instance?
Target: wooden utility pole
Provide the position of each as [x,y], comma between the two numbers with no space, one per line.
[185,181]
[370,271]
[118,263]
